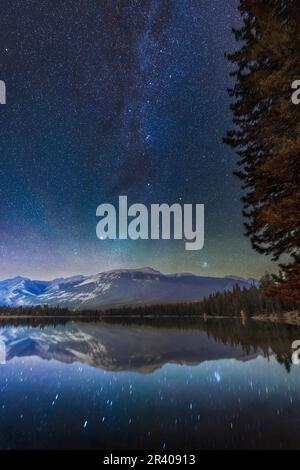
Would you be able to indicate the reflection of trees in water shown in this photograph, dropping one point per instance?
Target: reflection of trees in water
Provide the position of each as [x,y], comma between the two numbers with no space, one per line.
[33,322]
[252,336]
[267,338]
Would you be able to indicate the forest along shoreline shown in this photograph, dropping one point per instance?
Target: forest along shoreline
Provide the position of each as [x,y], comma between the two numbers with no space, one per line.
[246,304]
[291,318]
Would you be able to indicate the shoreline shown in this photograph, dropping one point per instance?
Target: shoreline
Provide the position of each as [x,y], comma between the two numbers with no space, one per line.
[292,318]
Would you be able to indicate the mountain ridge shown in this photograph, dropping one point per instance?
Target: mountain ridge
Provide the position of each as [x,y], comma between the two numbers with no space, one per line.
[119,287]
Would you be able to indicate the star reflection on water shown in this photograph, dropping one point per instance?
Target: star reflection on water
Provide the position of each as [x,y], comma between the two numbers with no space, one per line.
[149,385]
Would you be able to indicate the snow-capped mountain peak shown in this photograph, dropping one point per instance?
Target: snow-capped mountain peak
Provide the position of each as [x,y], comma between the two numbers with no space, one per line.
[114,288]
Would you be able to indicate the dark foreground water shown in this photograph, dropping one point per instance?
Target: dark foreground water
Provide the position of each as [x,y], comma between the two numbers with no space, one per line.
[195,385]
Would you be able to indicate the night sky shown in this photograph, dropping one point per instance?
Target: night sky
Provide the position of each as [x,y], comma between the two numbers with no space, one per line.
[109,98]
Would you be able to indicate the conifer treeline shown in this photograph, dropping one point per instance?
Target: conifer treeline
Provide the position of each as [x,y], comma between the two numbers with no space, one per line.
[44,311]
[267,132]
[248,302]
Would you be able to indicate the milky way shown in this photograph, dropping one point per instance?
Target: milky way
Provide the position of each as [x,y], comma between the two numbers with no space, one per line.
[116,97]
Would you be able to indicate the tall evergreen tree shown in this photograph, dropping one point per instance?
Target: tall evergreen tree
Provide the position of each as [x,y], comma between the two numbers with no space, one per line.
[267,132]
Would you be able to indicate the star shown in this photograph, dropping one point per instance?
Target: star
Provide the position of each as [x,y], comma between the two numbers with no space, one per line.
[121,96]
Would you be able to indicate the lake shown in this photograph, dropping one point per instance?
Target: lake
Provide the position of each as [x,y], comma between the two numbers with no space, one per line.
[148,384]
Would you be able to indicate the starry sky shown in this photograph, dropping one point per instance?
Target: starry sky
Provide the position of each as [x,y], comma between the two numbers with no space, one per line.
[109,98]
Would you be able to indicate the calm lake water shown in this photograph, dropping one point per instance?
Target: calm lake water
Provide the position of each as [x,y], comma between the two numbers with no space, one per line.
[144,385]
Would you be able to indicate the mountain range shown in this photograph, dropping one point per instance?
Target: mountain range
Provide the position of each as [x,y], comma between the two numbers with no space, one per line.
[115,288]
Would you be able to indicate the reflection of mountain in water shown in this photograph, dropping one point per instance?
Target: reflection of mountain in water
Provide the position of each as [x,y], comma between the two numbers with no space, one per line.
[138,346]
[117,347]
